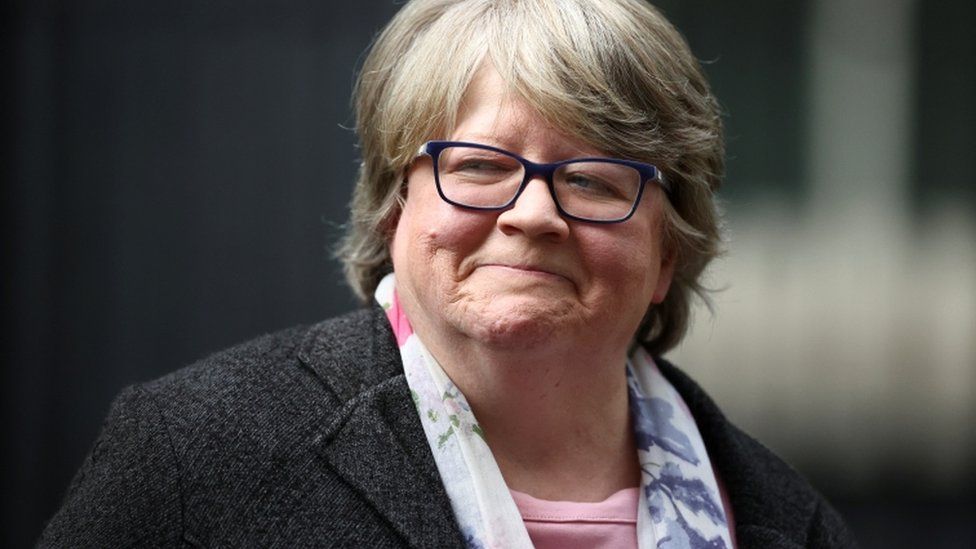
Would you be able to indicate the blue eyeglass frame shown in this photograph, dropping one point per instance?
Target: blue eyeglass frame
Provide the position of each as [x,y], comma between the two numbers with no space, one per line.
[648,172]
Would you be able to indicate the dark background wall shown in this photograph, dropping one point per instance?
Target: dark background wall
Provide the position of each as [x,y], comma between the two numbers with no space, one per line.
[175,174]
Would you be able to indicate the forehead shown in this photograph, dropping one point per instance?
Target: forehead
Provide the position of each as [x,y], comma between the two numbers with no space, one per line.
[492,112]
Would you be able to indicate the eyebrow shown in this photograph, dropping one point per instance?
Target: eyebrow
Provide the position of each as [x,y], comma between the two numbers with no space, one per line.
[485,139]
[511,146]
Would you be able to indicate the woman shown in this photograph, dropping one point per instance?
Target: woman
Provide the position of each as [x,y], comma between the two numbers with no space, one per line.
[534,210]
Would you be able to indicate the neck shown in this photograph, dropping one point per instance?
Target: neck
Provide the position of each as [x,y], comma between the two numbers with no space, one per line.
[555,415]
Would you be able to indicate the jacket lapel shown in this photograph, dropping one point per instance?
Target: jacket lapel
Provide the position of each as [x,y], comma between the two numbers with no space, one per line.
[375,442]
[376,449]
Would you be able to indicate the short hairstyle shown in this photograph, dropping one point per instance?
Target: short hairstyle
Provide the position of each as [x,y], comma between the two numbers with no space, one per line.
[614,72]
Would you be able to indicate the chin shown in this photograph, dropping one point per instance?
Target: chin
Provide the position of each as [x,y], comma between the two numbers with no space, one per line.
[518,323]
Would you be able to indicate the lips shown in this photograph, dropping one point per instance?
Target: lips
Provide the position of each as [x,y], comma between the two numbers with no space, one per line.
[529,269]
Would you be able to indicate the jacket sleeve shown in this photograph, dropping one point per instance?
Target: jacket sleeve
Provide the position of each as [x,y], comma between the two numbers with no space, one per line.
[127,491]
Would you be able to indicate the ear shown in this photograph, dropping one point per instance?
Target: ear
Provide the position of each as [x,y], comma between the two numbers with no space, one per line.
[664,276]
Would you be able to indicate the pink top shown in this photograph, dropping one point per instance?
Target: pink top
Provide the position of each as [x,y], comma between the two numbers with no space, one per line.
[608,523]
[398,321]
[571,525]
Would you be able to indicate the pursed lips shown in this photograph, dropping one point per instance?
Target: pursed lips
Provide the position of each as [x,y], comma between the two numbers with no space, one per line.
[536,270]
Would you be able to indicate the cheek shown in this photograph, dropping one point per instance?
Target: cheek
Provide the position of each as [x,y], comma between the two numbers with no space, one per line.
[625,264]
[636,265]
[434,236]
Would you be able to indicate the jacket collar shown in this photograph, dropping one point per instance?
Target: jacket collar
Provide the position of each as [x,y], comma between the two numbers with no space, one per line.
[375,441]
[353,353]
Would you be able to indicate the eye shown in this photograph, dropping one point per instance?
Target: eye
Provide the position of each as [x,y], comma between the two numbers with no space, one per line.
[594,186]
[480,166]
[472,165]
[583,181]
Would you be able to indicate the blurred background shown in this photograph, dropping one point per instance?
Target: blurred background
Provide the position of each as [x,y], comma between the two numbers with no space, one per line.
[176,173]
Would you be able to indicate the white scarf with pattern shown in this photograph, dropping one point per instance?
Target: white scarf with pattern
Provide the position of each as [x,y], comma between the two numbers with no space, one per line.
[680,506]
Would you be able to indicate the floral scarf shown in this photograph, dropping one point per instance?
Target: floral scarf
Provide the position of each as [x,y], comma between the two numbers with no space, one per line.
[680,505]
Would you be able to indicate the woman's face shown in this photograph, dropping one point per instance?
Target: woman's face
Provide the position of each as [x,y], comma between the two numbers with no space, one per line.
[523,276]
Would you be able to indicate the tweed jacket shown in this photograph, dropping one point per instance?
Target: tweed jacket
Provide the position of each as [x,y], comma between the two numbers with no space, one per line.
[309,438]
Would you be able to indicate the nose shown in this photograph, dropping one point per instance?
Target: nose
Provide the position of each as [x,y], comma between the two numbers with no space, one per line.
[534,214]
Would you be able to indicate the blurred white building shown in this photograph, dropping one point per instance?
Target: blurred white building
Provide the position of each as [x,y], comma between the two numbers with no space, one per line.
[845,336]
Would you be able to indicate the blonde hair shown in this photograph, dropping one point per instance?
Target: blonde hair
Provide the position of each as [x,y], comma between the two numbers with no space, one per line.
[614,72]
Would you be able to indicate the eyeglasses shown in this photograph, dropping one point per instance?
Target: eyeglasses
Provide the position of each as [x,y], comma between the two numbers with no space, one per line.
[594,190]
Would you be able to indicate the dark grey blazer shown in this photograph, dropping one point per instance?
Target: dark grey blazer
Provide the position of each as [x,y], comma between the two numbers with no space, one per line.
[309,438]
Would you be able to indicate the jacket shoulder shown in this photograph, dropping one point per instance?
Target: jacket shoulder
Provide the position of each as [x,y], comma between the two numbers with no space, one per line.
[223,449]
[254,364]
[252,393]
